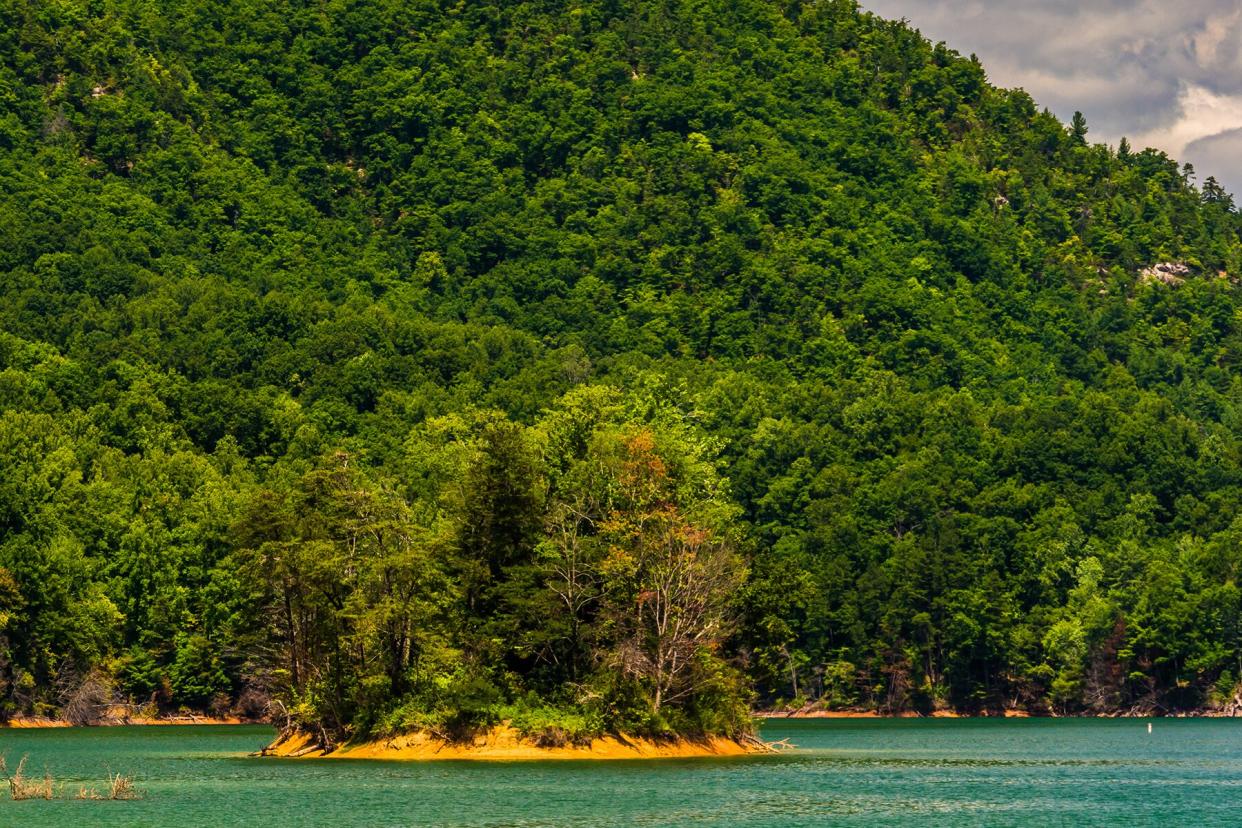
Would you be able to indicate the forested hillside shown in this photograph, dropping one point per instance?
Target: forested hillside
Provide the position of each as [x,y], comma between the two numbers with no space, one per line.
[595,365]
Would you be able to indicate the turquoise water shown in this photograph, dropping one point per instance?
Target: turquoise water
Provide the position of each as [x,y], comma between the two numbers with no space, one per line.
[845,772]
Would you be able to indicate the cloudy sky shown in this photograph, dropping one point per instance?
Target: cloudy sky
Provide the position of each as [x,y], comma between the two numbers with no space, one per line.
[1162,73]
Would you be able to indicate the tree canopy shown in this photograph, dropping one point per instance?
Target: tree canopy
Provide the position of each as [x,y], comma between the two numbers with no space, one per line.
[596,365]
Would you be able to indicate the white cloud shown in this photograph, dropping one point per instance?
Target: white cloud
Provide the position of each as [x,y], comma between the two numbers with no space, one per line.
[1201,113]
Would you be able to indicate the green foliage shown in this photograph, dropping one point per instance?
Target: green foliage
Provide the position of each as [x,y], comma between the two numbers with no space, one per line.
[196,671]
[390,359]
[552,726]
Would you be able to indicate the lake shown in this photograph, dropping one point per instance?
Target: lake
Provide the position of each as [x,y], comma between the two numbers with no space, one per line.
[864,772]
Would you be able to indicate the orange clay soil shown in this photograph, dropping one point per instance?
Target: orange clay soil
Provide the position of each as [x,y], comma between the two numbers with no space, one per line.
[34,721]
[830,714]
[31,722]
[871,714]
[503,743]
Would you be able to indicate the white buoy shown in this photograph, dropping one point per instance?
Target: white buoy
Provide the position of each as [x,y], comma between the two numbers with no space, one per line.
[1149,727]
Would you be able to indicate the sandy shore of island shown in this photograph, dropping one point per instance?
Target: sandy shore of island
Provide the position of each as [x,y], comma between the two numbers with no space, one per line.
[503,743]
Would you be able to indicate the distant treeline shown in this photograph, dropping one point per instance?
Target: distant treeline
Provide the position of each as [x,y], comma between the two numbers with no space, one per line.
[595,365]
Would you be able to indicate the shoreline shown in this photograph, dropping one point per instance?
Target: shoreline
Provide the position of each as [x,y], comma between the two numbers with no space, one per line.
[871,714]
[1005,714]
[504,744]
[41,722]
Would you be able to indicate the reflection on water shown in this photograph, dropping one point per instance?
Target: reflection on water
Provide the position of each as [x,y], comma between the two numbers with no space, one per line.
[844,772]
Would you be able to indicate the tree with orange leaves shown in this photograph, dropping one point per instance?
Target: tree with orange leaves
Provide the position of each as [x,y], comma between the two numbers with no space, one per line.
[670,576]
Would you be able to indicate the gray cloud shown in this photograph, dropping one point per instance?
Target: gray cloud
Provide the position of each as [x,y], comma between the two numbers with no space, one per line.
[1159,72]
[1219,155]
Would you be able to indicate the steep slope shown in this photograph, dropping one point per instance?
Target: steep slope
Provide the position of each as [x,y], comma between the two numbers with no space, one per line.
[383,357]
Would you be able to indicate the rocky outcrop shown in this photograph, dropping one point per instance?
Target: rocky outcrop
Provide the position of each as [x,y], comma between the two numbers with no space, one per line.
[1166,273]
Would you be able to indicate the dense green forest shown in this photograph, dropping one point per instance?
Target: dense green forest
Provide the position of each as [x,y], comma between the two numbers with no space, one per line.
[598,365]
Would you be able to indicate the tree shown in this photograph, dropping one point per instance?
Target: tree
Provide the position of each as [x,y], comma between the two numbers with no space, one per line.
[356,586]
[682,583]
[1078,127]
[570,560]
[670,580]
[1214,193]
[501,511]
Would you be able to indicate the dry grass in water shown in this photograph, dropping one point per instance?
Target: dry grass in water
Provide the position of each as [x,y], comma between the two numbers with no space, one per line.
[23,787]
[122,787]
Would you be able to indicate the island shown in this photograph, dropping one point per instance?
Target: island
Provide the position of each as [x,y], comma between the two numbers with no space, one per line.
[505,743]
